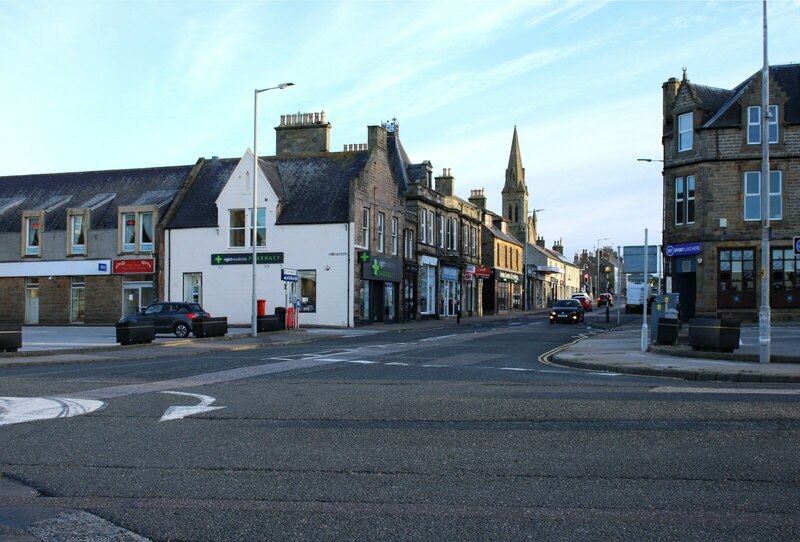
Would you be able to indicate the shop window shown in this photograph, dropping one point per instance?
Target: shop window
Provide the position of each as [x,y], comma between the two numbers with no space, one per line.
[785,265]
[308,290]
[736,270]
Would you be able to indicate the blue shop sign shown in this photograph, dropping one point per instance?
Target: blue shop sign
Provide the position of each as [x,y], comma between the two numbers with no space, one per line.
[449,273]
[684,249]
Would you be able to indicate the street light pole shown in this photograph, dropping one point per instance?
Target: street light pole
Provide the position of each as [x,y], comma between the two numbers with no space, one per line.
[764,315]
[597,262]
[254,213]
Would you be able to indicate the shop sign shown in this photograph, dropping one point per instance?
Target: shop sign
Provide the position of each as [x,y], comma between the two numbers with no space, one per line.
[289,275]
[246,258]
[449,273]
[483,272]
[141,265]
[796,245]
[684,249]
[505,276]
[381,268]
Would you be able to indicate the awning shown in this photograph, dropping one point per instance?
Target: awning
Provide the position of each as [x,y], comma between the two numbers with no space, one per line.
[546,269]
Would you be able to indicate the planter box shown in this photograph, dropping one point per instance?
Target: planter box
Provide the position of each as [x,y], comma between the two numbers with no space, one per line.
[210,327]
[135,332]
[269,323]
[720,335]
[10,338]
[667,331]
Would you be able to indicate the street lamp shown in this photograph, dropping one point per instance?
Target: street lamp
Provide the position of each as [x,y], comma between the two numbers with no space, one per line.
[254,214]
[597,262]
[649,160]
[527,299]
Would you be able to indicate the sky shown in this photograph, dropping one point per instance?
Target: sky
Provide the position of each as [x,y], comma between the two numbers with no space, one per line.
[113,84]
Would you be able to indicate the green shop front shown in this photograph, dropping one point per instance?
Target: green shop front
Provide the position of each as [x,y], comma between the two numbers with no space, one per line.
[379,291]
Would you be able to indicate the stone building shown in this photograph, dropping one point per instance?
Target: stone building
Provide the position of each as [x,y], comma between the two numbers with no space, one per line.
[85,247]
[711,194]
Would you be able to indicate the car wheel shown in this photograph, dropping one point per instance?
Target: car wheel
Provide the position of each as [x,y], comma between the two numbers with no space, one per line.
[181,330]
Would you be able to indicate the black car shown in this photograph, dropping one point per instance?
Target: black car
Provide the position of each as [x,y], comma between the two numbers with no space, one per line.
[169,316]
[605,299]
[566,310]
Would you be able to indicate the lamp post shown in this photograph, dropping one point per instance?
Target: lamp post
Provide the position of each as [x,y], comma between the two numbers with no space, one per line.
[527,299]
[663,221]
[597,255]
[254,214]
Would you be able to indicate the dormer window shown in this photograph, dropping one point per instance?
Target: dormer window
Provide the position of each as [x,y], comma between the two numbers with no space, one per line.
[754,124]
[137,229]
[77,231]
[33,224]
[685,132]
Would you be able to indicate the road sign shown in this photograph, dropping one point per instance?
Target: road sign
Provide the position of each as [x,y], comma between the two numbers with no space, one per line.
[796,245]
[289,275]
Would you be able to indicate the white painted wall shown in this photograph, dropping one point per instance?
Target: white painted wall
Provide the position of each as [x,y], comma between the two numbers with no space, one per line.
[227,289]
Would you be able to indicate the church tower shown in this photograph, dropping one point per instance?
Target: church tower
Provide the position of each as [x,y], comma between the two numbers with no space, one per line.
[515,196]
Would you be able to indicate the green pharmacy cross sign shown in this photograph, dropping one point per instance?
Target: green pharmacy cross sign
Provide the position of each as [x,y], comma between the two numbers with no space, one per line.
[246,258]
[363,256]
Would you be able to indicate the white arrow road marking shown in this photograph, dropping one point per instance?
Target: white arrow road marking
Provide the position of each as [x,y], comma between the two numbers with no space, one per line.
[28,409]
[178,412]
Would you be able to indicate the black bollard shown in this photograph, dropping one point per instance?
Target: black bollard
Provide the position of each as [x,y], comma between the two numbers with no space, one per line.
[607,313]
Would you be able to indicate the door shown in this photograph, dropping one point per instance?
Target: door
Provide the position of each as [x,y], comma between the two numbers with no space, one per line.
[686,287]
[136,296]
[32,301]
[193,288]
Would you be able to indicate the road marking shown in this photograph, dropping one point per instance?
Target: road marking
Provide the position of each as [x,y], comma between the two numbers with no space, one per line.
[397,364]
[439,338]
[743,391]
[178,412]
[28,409]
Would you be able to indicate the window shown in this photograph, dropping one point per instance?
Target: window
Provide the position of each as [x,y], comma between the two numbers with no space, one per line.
[308,290]
[237,228]
[261,228]
[431,239]
[146,232]
[129,232]
[754,124]
[680,201]
[395,226]
[77,234]
[441,231]
[137,227]
[365,227]
[408,246]
[685,132]
[473,241]
[684,200]
[736,270]
[752,195]
[423,225]
[784,270]
[465,238]
[33,236]
[381,232]
[77,300]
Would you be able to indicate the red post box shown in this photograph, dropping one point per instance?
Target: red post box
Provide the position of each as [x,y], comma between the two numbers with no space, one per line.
[262,307]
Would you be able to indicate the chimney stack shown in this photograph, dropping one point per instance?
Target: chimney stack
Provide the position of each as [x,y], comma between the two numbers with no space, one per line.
[302,133]
[478,198]
[444,183]
[669,94]
[558,246]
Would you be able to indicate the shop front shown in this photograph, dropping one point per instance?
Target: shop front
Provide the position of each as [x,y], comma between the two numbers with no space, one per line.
[449,292]
[410,277]
[428,265]
[381,277]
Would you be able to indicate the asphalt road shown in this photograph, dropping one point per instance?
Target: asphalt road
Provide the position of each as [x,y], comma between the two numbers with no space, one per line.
[417,435]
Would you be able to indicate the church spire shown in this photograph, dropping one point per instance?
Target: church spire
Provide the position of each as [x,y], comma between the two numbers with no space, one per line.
[515,174]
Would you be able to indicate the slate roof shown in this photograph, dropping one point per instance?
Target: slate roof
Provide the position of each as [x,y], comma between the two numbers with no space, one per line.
[498,233]
[313,189]
[787,77]
[102,191]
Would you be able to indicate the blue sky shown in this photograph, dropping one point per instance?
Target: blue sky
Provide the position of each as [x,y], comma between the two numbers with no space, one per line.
[123,84]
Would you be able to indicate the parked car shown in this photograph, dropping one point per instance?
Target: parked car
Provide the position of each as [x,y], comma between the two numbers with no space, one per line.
[605,299]
[567,310]
[585,299]
[169,316]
